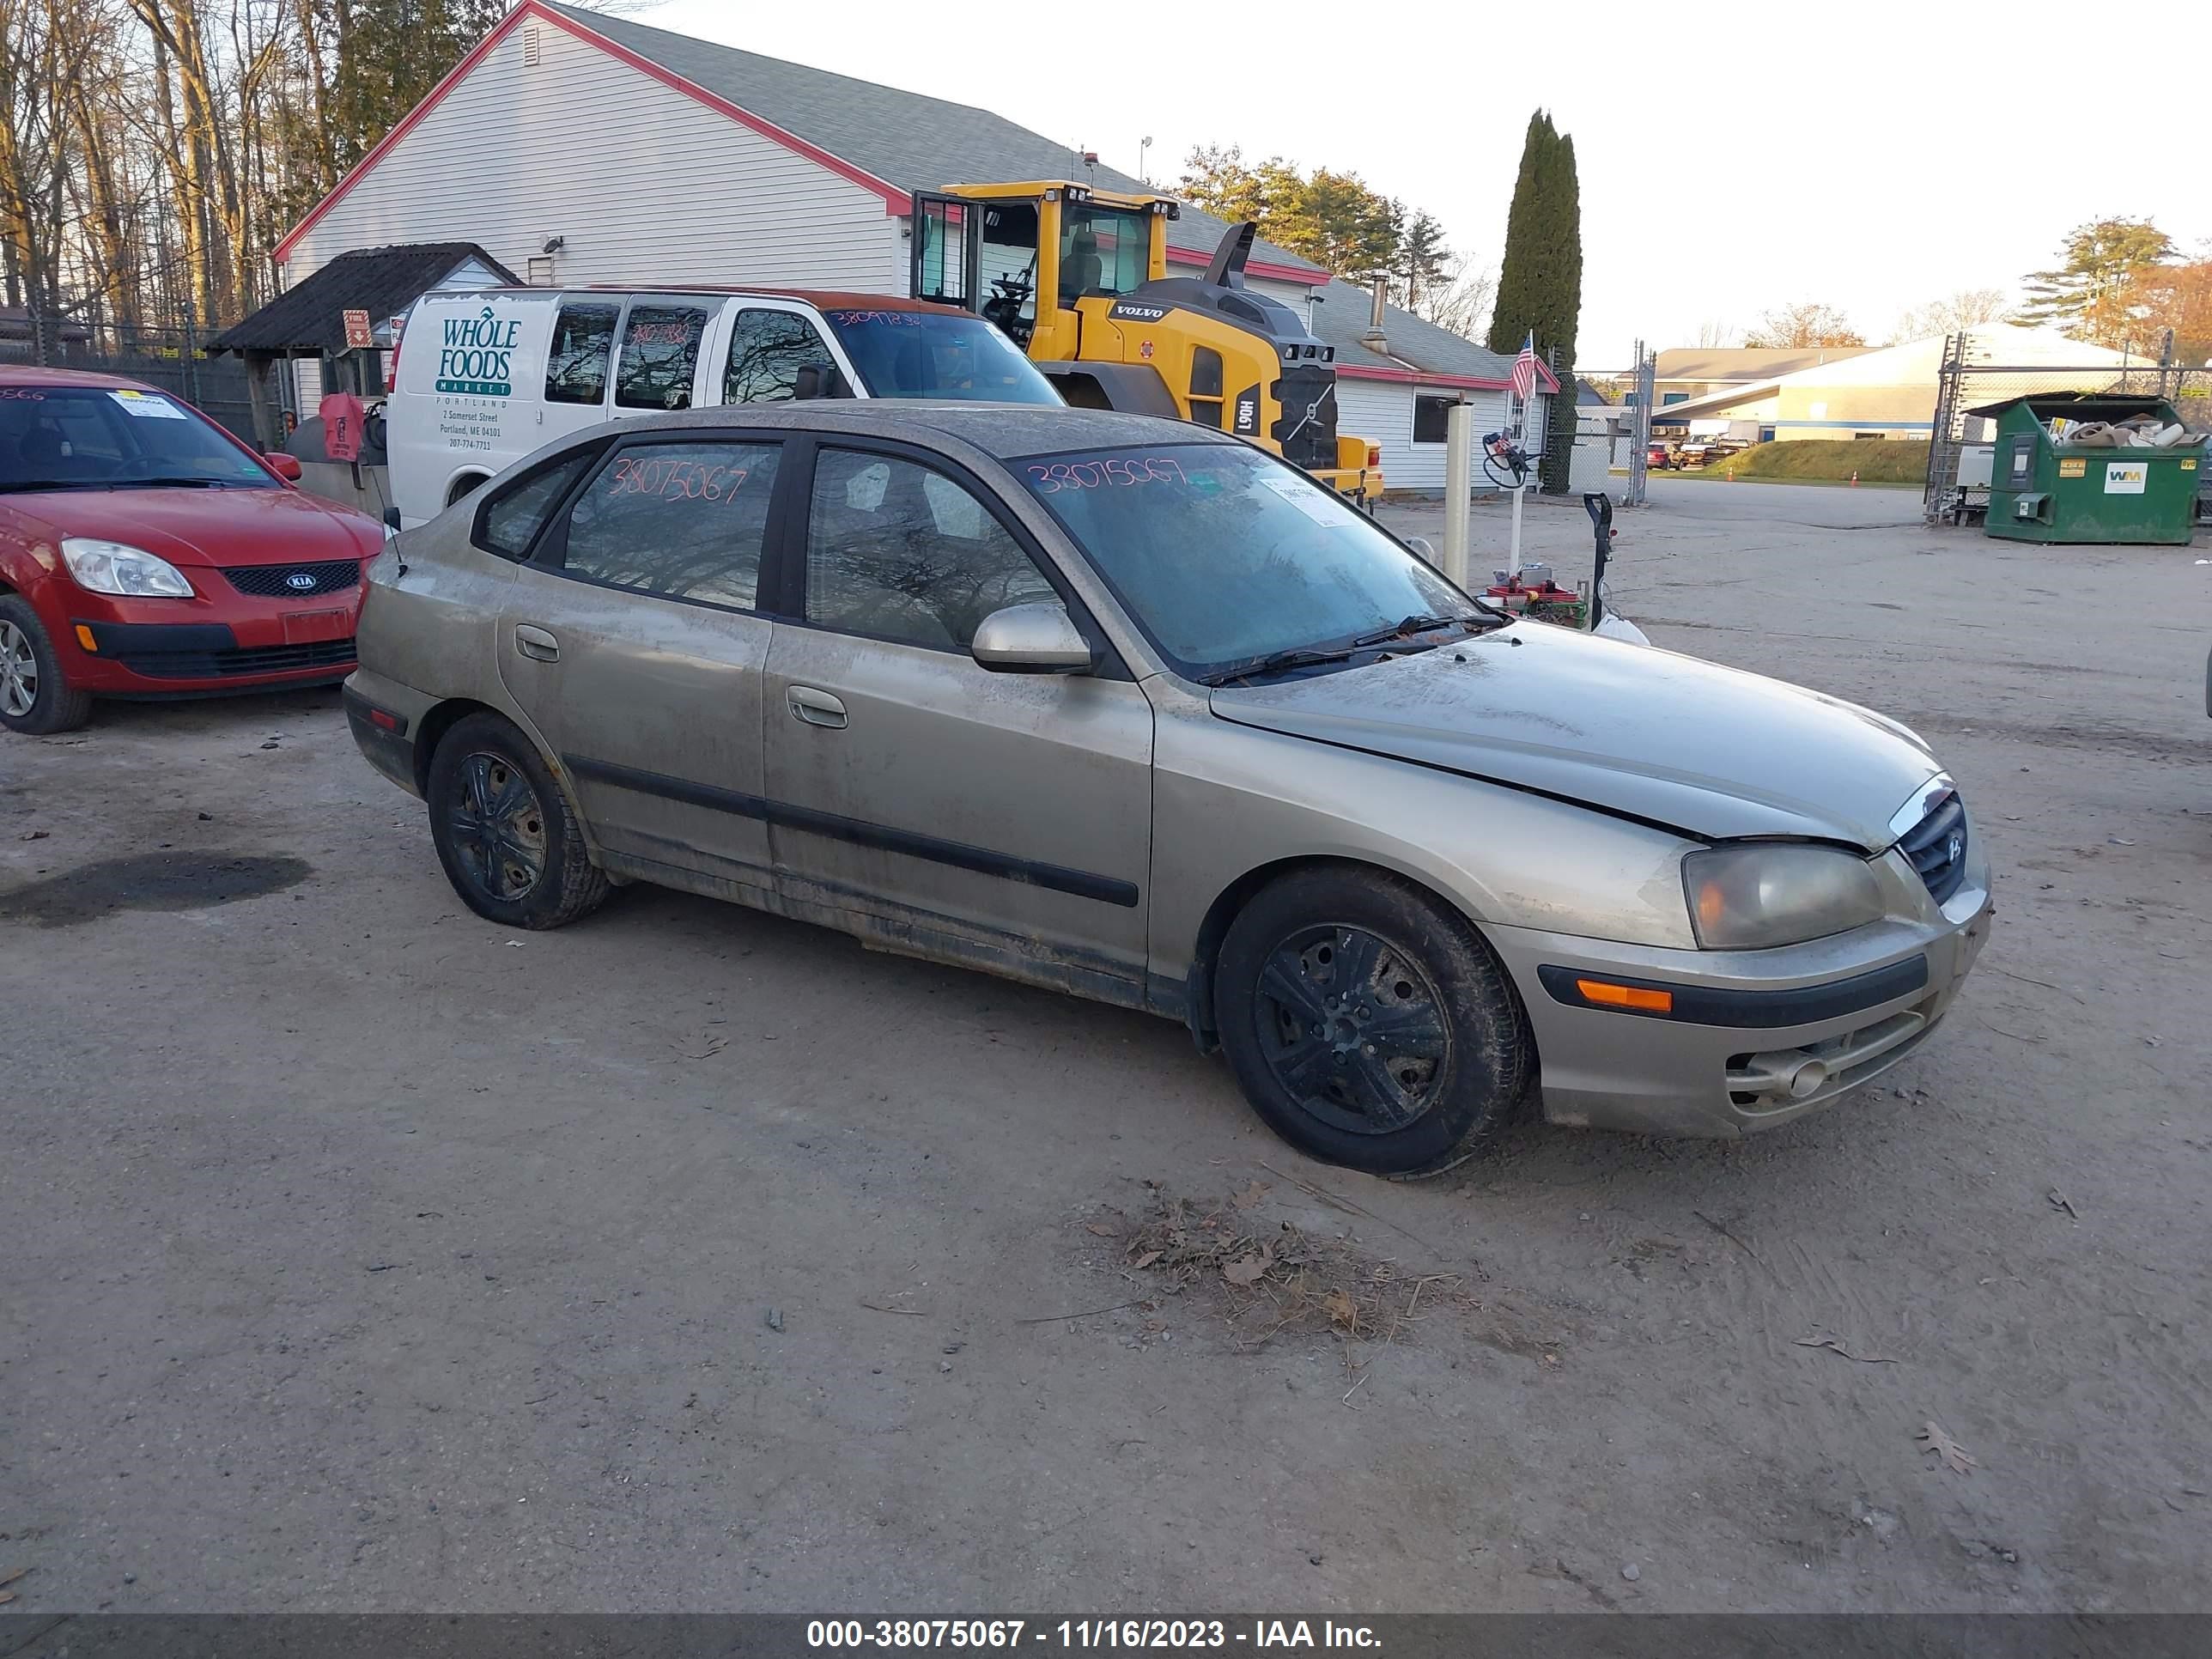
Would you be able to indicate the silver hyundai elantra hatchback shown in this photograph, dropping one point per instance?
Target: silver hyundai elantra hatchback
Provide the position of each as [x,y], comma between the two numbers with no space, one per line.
[1136,711]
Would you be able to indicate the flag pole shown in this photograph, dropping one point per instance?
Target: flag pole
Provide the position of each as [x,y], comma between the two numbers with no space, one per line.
[1524,384]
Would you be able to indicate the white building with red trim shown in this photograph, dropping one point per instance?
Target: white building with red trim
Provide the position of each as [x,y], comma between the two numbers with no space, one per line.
[583,148]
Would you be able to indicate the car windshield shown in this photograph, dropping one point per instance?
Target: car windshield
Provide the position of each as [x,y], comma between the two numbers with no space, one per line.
[1226,557]
[938,354]
[83,437]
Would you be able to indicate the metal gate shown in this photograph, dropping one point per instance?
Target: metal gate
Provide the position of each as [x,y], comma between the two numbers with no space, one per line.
[1639,437]
[1970,379]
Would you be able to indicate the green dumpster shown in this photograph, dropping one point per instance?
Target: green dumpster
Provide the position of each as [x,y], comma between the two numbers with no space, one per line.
[2045,488]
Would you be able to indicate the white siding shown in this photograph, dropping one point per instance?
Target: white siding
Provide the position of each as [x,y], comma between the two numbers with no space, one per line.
[1382,412]
[646,185]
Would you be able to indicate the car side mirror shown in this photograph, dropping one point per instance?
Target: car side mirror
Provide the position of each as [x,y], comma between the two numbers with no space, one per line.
[286,467]
[819,380]
[1032,638]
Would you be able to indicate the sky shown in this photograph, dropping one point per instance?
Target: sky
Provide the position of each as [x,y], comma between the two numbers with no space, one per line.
[1871,157]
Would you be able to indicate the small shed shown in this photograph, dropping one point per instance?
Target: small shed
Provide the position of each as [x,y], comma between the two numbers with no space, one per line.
[2058,475]
[309,319]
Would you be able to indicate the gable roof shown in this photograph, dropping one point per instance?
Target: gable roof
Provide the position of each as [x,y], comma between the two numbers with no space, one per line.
[1413,349]
[311,316]
[883,138]
[906,140]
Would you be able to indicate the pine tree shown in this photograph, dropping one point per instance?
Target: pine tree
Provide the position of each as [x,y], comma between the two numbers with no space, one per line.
[1423,260]
[1540,286]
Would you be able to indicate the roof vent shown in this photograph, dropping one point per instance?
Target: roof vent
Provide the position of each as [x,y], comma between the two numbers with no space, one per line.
[529,43]
[1375,339]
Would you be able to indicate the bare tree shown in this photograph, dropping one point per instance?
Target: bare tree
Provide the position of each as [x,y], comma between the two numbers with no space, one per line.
[1461,301]
[1968,308]
[1808,323]
[1715,336]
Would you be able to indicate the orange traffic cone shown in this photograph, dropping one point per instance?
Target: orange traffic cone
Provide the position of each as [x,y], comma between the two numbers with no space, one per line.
[1855,477]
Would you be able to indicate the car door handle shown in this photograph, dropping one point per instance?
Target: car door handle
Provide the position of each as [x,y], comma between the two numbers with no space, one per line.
[536,642]
[816,707]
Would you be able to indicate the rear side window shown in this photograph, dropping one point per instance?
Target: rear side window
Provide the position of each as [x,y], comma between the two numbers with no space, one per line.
[681,521]
[576,364]
[767,350]
[509,521]
[660,348]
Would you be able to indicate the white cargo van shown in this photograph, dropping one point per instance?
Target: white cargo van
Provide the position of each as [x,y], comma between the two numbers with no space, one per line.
[486,375]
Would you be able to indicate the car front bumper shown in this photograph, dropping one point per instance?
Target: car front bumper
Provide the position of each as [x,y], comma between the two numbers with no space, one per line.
[218,640]
[1756,1037]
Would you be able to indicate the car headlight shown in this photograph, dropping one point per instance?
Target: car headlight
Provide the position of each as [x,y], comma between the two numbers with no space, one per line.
[1757,894]
[116,567]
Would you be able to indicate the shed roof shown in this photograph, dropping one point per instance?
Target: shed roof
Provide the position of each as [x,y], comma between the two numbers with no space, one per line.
[311,316]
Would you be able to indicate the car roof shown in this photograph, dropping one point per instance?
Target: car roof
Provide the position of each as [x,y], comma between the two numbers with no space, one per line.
[837,298]
[25,374]
[1004,430]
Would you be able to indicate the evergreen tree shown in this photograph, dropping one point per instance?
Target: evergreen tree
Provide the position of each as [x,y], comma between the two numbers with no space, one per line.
[2087,295]
[1423,261]
[1540,286]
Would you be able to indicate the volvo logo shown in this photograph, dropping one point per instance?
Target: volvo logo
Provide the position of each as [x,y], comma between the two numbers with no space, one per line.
[301,582]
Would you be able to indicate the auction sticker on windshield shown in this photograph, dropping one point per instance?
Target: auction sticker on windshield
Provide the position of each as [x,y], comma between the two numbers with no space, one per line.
[1321,509]
[148,407]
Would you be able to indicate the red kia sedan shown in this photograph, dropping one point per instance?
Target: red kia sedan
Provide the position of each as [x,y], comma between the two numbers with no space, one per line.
[145,552]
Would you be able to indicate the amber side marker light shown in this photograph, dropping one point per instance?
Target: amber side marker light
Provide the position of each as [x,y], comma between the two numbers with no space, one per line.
[84,638]
[1625,996]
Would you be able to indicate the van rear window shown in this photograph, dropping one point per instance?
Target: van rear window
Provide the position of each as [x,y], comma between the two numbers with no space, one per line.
[576,363]
[660,348]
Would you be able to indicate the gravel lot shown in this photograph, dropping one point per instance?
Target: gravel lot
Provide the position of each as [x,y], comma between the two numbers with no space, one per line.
[364,1256]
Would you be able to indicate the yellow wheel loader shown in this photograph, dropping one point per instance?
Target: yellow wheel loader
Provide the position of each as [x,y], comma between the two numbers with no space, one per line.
[1078,278]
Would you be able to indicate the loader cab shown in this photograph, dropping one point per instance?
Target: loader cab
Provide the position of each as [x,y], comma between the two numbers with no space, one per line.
[994,249]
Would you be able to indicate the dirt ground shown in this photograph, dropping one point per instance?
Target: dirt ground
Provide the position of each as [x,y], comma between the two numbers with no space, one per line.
[364,1256]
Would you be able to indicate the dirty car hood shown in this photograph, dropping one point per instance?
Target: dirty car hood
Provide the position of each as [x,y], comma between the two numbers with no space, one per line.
[1629,729]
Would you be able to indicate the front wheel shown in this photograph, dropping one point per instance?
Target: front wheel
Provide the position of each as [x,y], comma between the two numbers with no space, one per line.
[509,845]
[34,699]
[1368,1025]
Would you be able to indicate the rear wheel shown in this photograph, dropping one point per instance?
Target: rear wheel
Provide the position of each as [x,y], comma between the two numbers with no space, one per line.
[1369,1025]
[34,699]
[509,845]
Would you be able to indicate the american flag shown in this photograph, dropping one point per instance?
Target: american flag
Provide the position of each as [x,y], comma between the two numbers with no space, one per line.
[1524,369]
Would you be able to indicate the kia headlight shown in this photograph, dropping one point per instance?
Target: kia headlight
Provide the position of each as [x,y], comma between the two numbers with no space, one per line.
[129,572]
[1757,894]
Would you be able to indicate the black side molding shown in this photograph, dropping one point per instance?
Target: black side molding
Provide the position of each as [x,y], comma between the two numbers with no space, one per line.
[1107,889]
[1705,1004]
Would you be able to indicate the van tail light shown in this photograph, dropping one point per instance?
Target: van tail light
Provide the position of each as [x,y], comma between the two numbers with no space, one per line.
[398,328]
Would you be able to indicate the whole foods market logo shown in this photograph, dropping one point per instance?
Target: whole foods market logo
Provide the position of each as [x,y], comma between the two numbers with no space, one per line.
[478,355]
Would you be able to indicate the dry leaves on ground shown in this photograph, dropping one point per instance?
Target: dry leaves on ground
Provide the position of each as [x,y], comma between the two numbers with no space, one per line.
[1948,1451]
[1268,1280]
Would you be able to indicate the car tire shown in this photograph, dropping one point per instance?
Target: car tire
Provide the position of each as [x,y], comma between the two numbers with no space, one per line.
[509,844]
[34,697]
[1369,1024]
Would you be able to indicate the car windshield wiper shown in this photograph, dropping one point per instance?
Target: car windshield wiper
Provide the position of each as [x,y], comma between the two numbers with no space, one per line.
[1277,662]
[1415,624]
[178,481]
[51,484]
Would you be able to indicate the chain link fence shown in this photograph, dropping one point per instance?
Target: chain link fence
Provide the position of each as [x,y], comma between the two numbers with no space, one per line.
[169,357]
[1970,379]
